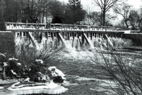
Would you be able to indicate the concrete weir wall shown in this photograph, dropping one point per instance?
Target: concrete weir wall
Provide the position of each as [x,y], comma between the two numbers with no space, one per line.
[7,44]
[135,37]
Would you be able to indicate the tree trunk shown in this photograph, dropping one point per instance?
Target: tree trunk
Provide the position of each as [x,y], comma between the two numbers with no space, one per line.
[104,17]
[125,21]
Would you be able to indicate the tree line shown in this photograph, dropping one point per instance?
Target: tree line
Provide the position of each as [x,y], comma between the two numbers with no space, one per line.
[70,13]
[33,11]
[131,18]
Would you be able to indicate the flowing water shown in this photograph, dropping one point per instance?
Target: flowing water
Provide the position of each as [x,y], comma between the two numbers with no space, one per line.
[72,56]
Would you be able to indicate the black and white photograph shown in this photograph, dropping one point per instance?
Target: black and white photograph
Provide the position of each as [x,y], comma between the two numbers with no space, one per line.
[70,47]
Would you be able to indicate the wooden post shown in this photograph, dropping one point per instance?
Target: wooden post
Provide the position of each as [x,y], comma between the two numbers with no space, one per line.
[83,39]
[46,34]
[51,35]
[20,34]
[91,34]
[68,36]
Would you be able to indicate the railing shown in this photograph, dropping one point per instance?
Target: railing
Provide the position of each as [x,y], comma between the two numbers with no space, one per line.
[57,26]
[19,25]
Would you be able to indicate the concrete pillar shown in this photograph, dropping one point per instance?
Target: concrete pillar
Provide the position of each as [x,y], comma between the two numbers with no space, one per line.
[7,44]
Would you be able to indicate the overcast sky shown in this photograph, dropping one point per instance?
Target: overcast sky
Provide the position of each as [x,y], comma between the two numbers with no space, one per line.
[90,5]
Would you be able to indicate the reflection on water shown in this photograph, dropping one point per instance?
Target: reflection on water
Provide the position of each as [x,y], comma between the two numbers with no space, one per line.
[74,49]
[6,92]
[20,88]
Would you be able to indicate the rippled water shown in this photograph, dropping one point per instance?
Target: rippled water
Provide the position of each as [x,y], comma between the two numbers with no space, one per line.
[72,53]
[6,92]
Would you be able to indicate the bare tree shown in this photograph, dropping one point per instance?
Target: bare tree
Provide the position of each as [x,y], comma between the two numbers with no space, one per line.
[42,8]
[124,70]
[105,6]
[123,9]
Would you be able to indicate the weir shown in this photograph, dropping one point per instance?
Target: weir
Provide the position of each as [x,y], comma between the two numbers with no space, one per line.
[75,38]
[67,35]
[34,41]
[88,41]
[48,40]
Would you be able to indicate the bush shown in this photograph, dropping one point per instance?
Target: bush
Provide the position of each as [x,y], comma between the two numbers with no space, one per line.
[124,71]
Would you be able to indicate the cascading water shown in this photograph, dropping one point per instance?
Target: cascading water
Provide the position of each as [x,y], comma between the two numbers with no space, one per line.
[73,46]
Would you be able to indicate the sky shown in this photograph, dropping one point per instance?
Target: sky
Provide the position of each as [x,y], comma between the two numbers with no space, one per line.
[90,6]
[135,3]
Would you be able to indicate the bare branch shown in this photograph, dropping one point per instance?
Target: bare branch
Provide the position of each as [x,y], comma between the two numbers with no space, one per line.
[99,4]
[110,4]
